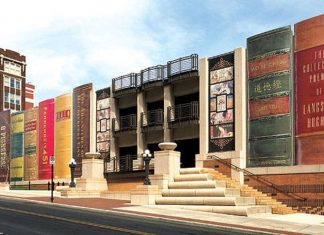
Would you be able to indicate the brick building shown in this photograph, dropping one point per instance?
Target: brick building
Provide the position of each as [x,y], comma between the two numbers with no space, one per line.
[29,95]
[12,80]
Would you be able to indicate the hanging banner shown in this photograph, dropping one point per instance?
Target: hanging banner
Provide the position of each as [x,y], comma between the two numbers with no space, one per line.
[4,145]
[31,154]
[103,121]
[221,103]
[17,147]
[81,124]
[309,96]
[63,136]
[45,138]
[270,86]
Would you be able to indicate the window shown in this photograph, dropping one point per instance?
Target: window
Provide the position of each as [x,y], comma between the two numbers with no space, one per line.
[12,82]
[6,96]
[18,99]
[18,84]
[12,98]
[13,68]
[6,81]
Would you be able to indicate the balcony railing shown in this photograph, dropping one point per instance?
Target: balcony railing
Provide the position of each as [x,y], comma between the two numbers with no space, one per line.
[152,74]
[127,163]
[152,118]
[125,123]
[183,112]
[125,82]
[183,65]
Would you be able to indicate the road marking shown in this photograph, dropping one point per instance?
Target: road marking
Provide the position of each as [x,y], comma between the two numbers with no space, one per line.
[78,222]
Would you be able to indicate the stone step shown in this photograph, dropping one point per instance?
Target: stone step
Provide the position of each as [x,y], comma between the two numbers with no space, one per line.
[214,201]
[229,210]
[197,184]
[184,171]
[212,192]
[193,177]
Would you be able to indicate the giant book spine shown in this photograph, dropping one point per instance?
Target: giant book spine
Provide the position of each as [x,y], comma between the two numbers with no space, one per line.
[270,102]
[221,103]
[4,145]
[103,122]
[309,82]
[17,147]
[63,136]
[81,124]
[45,138]
[31,153]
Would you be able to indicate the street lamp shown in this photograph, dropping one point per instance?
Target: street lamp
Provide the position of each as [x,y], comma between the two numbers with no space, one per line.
[52,162]
[72,167]
[147,158]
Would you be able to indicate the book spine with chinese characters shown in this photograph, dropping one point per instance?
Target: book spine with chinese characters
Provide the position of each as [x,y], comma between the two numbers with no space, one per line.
[270,102]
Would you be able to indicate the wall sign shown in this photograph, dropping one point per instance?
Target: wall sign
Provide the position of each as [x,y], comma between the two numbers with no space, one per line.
[221,103]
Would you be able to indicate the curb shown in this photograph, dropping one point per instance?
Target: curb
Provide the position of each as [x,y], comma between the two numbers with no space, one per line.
[176,219]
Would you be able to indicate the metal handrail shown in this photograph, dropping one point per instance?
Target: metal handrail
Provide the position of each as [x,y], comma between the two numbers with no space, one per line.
[125,82]
[187,111]
[127,122]
[152,74]
[183,65]
[258,178]
[152,118]
[125,163]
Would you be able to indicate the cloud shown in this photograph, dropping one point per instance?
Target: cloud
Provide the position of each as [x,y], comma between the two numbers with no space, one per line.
[68,43]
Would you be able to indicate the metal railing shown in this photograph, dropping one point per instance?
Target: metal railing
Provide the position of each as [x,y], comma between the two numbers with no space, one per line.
[125,82]
[152,74]
[152,118]
[183,112]
[127,122]
[126,163]
[183,65]
[258,178]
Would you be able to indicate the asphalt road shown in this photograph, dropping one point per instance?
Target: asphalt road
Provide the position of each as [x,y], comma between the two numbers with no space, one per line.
[24,217]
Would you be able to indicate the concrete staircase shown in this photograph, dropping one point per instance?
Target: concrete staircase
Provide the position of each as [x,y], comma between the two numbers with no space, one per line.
[195,189]
[247,191]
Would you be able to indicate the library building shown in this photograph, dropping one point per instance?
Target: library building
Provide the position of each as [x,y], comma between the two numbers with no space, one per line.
[244,129]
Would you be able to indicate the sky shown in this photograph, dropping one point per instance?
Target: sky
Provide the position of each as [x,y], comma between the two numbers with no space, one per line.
[72,42]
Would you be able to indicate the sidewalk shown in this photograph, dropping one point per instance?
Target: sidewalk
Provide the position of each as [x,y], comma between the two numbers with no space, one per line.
[279,224]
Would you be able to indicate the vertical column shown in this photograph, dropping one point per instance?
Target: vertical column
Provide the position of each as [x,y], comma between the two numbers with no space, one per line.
[114,112]
[240,112]
[141,107]
[203,111]
[93,115]
[168,101]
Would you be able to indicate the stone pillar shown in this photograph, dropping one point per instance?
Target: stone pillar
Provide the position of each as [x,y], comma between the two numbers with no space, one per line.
[114,113]
[239,159]
[168,101]
[93,121]
[203,111]
[141,141]
[92,173]
[166,164]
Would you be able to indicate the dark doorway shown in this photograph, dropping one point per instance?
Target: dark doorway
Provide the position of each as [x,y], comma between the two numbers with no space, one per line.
[126,157]
[188,148]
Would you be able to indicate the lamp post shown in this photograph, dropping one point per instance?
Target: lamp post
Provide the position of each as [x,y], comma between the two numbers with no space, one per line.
[52,162]
[147,158]
[72,167]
